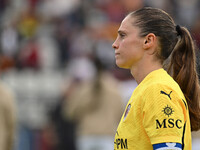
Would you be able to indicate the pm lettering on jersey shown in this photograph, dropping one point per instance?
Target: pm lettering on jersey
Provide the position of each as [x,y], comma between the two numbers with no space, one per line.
[169,123]
[121,143]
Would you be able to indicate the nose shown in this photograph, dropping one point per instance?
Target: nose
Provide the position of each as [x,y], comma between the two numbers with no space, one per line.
[115,45]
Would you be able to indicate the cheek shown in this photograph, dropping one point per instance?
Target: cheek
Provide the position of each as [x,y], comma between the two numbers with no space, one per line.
[124,60]
[128,49]
[130,54]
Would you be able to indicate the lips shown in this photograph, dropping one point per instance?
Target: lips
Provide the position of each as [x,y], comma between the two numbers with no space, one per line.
[116,54]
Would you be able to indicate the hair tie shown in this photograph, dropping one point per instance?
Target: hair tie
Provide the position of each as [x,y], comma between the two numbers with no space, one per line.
[179,30]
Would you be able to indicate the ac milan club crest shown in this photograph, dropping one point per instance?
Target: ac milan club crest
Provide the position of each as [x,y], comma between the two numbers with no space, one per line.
[127,111]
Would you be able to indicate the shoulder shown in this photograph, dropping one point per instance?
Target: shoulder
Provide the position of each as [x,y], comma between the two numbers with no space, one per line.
[167,89]
[163,95]
[157,90]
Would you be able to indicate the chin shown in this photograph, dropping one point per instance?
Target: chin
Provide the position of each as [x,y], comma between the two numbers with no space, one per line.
[120,65]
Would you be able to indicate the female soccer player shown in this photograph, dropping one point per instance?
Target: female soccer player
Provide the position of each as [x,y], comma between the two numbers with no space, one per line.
[164,108]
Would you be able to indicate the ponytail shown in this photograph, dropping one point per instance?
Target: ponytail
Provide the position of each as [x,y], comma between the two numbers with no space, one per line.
[182,68]
[177,54]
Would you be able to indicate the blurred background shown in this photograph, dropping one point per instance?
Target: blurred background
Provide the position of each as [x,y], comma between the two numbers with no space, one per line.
[51,55]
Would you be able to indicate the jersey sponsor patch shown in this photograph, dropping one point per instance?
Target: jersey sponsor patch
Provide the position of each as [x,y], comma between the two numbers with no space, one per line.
[121,143]
[167,146]
[169,123]
[168,111]
[127,111]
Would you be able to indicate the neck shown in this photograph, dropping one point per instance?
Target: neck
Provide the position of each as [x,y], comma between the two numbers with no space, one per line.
[139,72]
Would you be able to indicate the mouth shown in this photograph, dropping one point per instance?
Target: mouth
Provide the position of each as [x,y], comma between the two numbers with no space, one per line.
[116,54]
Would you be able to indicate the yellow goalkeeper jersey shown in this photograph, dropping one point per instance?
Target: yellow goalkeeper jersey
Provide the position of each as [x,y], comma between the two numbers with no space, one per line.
[157,112]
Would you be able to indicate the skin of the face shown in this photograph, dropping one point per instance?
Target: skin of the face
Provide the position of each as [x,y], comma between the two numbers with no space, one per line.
[128,45]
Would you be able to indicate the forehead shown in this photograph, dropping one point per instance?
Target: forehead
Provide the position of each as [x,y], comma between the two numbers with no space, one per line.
[127,24]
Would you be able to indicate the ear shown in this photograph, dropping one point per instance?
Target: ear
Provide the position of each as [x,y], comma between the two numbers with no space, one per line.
[150,43]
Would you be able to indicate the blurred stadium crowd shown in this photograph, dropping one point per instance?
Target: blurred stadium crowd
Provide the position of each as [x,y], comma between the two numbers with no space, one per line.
[48,47]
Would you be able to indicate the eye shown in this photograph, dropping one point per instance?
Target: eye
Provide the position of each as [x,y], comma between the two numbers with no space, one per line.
[122,35]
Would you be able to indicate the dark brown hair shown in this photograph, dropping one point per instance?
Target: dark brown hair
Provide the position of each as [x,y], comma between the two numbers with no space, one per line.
[176,47]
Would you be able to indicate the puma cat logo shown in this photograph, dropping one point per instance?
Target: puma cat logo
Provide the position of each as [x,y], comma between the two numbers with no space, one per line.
[162,92]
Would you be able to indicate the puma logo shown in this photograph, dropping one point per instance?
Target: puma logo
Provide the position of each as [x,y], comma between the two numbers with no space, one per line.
[162,92]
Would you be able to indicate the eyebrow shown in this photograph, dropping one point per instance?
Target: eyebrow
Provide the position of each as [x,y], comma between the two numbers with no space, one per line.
[121,31]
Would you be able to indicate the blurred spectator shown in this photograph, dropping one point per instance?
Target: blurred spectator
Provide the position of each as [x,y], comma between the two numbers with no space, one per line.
[81,68]
[3,5]
[9,44]
[55,8]
[96,106]
[62,37]
[113,10]
[28,56]
[156,4]
[48,140]
[198,63]
[9,41]
[33,3]
[187,12]
[28,23]
[196,36]
[8,118]
[64,129]
[131,5]
[83,49]
[196,32]
[6,62]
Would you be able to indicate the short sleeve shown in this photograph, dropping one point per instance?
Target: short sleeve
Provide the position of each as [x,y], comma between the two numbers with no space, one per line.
[163,114]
